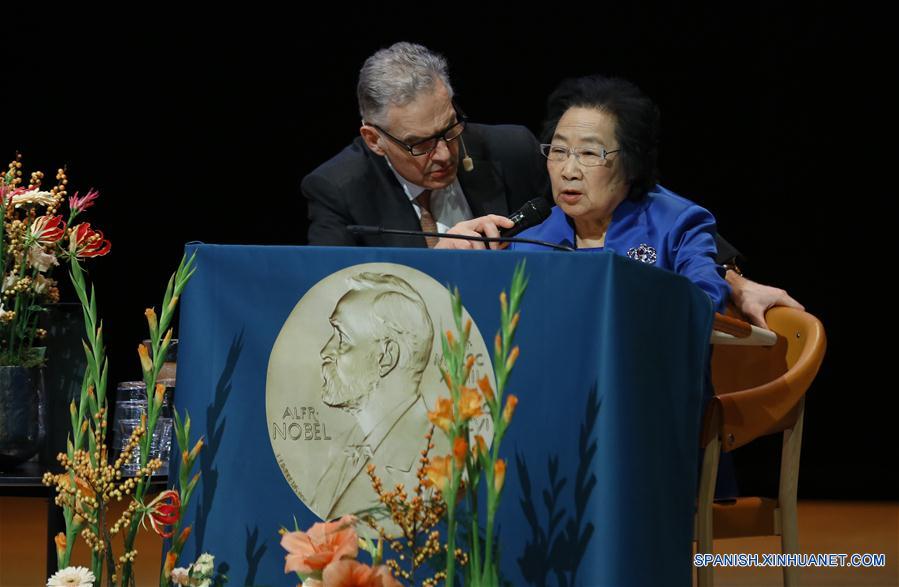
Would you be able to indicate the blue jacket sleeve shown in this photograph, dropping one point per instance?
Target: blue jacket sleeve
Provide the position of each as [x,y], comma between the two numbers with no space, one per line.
[692,243]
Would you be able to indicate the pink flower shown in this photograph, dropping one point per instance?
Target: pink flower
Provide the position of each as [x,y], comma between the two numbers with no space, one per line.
[87,242]
[350,573]
[326,542]
[79,205]
[47,229]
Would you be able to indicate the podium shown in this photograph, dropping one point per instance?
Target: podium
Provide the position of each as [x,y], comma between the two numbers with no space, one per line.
[602,451]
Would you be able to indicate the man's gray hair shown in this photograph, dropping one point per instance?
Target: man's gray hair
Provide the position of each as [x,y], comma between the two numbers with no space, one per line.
[395,76]
[398,312]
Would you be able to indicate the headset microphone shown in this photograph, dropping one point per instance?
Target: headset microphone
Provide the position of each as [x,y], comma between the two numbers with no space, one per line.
[467,163]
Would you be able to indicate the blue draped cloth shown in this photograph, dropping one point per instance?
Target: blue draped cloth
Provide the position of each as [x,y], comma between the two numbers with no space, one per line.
[602,451]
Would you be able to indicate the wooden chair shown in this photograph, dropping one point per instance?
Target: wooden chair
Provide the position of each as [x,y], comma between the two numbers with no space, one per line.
[759,390]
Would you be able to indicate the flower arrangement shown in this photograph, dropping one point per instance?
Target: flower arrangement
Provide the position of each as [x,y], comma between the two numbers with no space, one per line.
[33,238]
[89,482]
[325,555]
[31,243]
[479,462]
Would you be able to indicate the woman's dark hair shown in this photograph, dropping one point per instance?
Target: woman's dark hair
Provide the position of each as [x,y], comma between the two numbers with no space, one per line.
[636,123]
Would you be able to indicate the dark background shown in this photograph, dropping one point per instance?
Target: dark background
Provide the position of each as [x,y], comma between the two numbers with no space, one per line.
[201,128]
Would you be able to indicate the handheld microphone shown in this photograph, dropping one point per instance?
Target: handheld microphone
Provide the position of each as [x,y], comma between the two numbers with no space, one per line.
[531,214]
[467,163]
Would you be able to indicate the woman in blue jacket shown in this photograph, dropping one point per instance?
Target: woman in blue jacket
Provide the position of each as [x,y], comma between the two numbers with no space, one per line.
[601,151]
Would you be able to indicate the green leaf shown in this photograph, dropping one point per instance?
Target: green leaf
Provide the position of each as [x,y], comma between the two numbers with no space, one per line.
[101,391]
[170,288]
[457,308]
[179,430]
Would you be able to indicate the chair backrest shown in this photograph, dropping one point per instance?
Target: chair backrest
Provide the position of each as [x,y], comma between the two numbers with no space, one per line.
[759,389]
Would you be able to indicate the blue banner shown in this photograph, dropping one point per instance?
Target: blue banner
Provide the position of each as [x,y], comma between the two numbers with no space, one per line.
[302,365]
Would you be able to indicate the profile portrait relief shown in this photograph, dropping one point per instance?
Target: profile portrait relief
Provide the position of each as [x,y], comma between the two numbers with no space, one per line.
[351,378]
[371,368]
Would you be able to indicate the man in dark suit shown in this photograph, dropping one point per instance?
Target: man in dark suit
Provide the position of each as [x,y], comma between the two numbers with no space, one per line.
[506,173]
[404,170]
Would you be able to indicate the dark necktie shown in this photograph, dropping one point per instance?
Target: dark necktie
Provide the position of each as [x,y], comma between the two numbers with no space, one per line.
[428,224]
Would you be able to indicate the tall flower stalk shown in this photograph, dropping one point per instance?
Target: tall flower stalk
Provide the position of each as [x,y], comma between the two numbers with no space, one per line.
[151,363]
[453,415]
[89,482]
[31,243]
[87,464]
[186,485]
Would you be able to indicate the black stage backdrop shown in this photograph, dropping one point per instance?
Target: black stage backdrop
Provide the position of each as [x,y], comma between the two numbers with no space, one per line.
[200,129]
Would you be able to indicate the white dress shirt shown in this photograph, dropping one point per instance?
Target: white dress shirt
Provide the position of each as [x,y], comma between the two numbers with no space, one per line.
[448,205]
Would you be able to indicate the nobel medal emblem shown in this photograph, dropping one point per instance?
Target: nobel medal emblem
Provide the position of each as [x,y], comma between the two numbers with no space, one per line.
[351,377]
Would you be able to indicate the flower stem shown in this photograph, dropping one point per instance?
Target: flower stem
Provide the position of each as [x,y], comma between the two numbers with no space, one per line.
[176,285]
[451,542]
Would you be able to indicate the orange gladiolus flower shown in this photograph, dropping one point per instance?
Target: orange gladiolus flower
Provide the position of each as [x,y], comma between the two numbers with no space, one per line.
[499,474]
[83,487]
[185,533]
[469,363]
[470,403]
[324,543]
[442,417]
[80,490]
[438,472]
[460,450]
[159,395]
[479,446]
[510,362]
[145,363]
[60,540]
[150,313]
[350,573]
[446,379]
[170,559]
[195,450]
[511,402]
[486,388]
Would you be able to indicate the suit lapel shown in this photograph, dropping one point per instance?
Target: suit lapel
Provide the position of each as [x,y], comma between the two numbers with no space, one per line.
[484,188]
[393,208]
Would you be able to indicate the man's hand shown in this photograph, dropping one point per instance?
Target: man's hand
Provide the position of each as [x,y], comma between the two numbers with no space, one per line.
[482,226]
[754,299]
